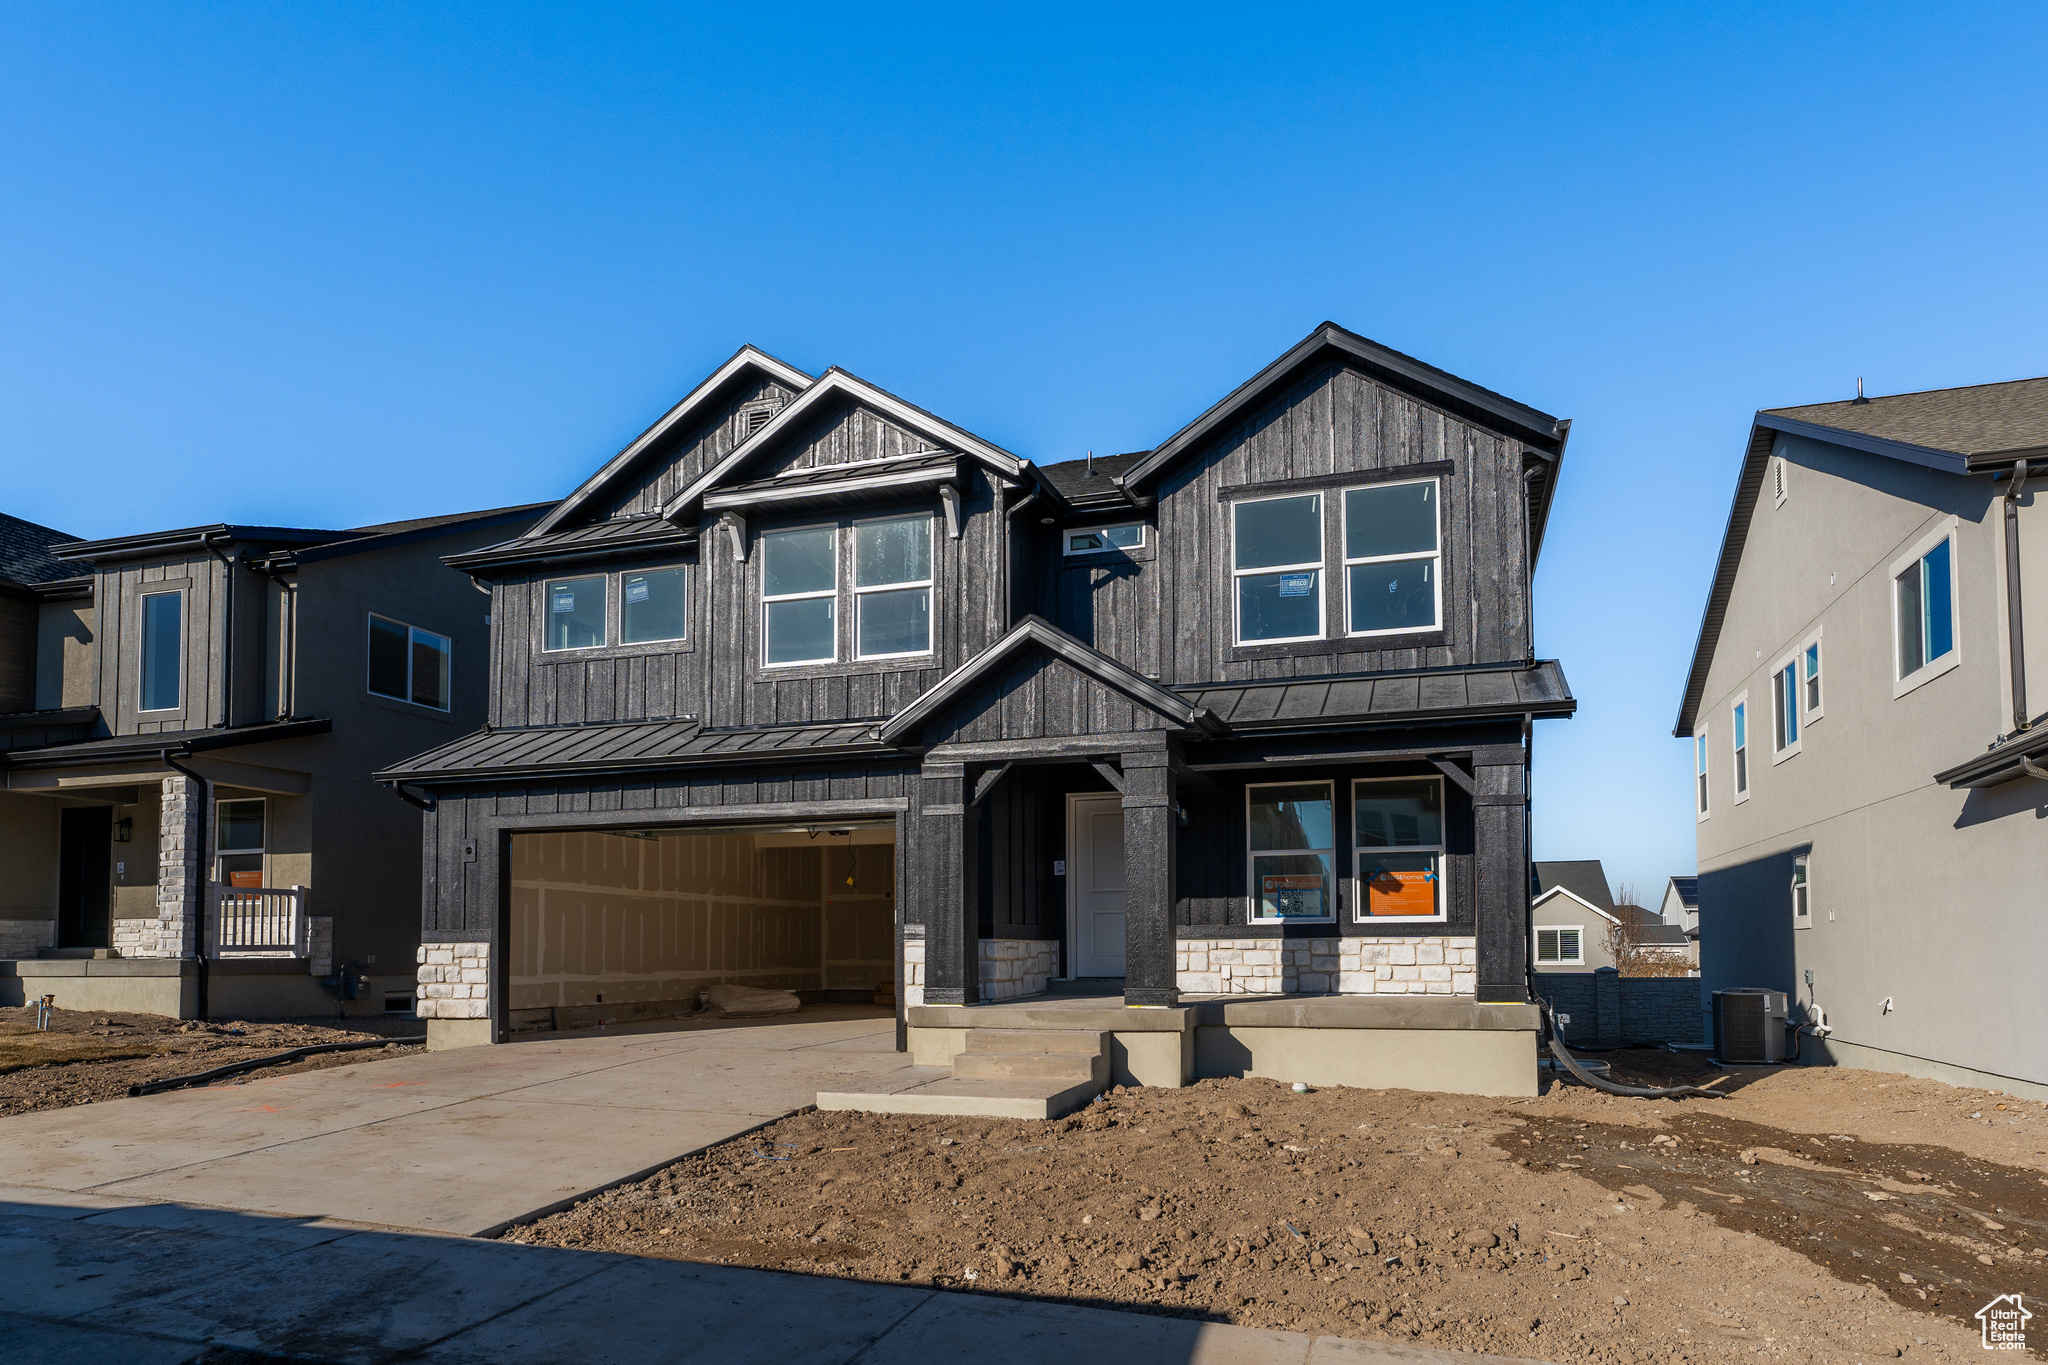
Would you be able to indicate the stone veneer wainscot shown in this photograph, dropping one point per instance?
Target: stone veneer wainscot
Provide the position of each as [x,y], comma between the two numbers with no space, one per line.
[1009,967]
[1320,966]
[455,981]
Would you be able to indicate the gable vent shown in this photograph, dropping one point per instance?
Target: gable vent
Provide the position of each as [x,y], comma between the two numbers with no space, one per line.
[754,416]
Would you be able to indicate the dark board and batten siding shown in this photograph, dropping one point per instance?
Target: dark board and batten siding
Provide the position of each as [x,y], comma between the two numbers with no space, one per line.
[1338,421]
[1038,696]
[117,662]
[662,475]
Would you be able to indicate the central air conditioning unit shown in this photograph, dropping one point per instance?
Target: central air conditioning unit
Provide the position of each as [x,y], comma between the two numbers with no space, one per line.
[1749,1025]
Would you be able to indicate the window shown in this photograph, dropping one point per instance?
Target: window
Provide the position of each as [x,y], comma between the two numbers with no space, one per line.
[576,613]
[653,606]
[799,595]
[1741,725]
[1098,538]
[163,623]
[892,587]
[1291,832]
[1278,564]
[238,842]
[1391,579]
[1802,907]
[1924,593]
[1699,772]
[1561,946]
[1785,692]
[1809,678]
[1398,839]
[408,664]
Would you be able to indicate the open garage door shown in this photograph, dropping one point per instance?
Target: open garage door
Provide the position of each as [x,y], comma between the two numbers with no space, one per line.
[635,924]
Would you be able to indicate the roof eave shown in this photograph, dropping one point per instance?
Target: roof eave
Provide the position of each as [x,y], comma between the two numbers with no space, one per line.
[2006,763]
[509,556]
[367,544]
[1947,461]
[146,746]
[429,777]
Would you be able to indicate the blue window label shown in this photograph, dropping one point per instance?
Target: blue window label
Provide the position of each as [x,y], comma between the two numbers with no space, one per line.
[1297,584]
[636,592]
[565,601]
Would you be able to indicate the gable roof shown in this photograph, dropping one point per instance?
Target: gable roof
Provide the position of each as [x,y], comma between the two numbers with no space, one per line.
[1688,889]
[1978,429]
[1035,632]
[25,556]
[836,382]
[1542,433]
[1585,878]
[747,360]
[1565,893]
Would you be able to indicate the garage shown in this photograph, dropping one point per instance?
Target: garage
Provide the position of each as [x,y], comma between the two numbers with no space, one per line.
[615,925]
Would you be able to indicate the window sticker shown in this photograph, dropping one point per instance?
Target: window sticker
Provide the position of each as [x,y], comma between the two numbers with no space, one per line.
[1297,585]
[565,601]
[636,592]
[1402,890]
[1294,896]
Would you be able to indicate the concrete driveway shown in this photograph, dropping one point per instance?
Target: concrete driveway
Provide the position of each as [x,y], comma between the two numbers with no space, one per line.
[457,1142]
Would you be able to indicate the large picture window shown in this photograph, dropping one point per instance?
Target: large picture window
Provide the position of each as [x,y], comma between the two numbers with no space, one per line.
[1391,579]
[1277,567]
[409,664]
[163,652]
[1398,840]
[1291,830]
[576,613]
[892,587]
[799,595]
[653,606]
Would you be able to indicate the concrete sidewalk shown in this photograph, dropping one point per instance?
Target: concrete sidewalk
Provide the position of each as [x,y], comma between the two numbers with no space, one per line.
[459,1142]
[96,1279]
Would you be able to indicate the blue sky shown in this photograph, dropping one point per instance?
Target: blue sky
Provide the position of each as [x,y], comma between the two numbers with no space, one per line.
[331,265]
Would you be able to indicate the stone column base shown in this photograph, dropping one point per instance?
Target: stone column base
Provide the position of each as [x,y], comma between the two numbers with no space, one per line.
[444,1034]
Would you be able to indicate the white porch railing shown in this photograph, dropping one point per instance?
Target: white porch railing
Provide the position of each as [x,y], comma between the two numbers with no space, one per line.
[265,920]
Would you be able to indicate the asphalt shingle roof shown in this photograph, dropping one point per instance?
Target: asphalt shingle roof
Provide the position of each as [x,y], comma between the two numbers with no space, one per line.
[1979,419]
[25,552]
[1070,477]
[1584,878]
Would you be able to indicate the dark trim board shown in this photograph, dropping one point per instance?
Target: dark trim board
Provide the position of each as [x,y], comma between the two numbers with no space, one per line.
[1358,478]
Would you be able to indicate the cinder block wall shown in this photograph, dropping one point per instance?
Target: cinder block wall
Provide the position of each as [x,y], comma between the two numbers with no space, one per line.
[1653,1009]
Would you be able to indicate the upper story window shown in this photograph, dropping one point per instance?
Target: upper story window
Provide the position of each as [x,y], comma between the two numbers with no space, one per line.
[1923,596]
[409,664]
[1277,548]
[1096,539]
[1809,678]
[1739,721]
[892,587]
[800,595]
[1699,773]
[1398,836]
[576,613]
[163,650]
[653,606]
[1391,579]
[1785,696]
[1291,831]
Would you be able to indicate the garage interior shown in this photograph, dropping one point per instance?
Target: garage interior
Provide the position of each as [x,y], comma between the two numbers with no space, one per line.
[612,926]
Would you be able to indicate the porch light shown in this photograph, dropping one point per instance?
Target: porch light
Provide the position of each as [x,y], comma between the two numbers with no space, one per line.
[124,829]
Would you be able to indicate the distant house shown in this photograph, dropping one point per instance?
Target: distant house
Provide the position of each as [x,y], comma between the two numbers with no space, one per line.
[191,718]
[1570,917]
[1681,907]
[1868,771]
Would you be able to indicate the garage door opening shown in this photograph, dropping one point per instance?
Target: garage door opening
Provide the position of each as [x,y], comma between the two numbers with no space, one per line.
[637,924]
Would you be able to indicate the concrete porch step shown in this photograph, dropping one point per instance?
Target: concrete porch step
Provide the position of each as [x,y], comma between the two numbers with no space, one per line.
[1070,1041]
[1012,1097]
[1068,1066]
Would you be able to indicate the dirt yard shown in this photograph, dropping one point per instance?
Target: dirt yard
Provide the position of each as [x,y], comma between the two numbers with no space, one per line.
[86,1056]
[1815,1215]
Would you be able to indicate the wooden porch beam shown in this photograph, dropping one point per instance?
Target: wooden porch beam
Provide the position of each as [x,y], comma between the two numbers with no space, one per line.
[1455,773]
[1111,775]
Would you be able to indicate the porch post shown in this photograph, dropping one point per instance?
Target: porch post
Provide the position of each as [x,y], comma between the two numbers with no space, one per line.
[943,879]
[1151,853]
[1499,843]
[180,880]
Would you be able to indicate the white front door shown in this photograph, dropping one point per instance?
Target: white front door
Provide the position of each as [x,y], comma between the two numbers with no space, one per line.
[1095,885]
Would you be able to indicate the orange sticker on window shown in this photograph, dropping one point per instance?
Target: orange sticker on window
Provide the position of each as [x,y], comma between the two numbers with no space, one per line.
[1405,892]
[250,878]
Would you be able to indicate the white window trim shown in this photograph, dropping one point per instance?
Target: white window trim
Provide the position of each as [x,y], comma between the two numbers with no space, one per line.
[142,652]
[1927,672]
[623,642]
[1798,698]
[931,624]
[831,593]
[1561,960]
[1067,536]
[410,631]
[547,611]
[213,869]
[1358,897]
[1319,566]
[1738,771]
[1802,862]
[1251,855]
[1435,557]
[1702,773]
[1815,710]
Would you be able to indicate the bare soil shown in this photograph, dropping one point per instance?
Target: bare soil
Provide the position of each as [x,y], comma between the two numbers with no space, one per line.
[1817,1215]
[86,1056]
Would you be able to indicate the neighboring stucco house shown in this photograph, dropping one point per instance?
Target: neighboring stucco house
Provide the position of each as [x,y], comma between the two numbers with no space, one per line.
[1681,907]
[1570,917]
[1869,776]
[811,688]
[187,821]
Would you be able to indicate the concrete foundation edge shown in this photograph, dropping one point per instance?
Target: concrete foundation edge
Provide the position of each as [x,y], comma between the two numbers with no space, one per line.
[1862,1057]
[1454,1061]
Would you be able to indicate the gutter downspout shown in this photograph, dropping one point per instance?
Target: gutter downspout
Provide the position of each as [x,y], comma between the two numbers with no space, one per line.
[2014,621]
[205,875]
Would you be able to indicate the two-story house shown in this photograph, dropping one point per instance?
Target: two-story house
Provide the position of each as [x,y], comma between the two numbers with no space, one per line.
[187,820]
[811,688]
[1867,770]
